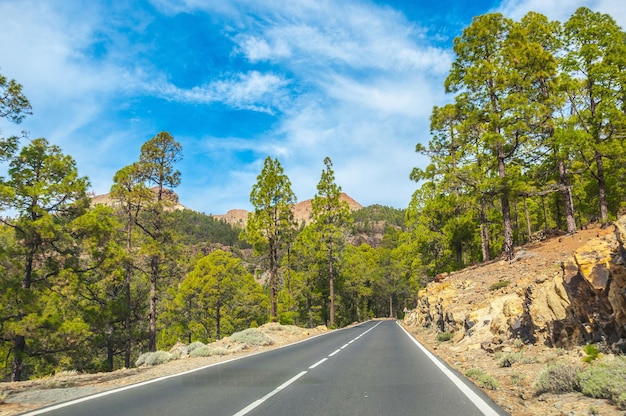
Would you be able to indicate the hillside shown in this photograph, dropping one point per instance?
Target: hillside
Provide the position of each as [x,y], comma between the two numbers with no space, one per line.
[513,319]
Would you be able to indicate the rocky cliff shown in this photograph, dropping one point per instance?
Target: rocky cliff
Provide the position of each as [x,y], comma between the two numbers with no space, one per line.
[565,291]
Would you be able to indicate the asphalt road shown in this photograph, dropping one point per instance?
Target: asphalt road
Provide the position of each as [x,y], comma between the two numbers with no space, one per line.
[375,368]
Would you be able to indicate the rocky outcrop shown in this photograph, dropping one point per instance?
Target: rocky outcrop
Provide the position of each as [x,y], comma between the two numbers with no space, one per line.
[576,298]
[301,212]
[169,196]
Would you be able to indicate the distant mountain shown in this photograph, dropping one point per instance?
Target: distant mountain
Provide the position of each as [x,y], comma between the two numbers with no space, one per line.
[301,212]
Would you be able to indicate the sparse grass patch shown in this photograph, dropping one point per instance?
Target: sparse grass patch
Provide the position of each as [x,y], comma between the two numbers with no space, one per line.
[605,379]
[482,378]
[557,378]
[150,359]
[499,285]
[554,355]
[445,336]
[4,395]
[517,377]
[251,336]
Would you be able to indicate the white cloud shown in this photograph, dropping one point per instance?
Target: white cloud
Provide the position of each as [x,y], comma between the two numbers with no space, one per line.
[253,91]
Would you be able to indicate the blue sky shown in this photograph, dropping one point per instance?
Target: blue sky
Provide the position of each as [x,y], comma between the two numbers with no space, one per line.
[237,81]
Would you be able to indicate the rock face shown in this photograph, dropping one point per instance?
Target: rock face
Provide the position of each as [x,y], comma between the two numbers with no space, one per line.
[555,296]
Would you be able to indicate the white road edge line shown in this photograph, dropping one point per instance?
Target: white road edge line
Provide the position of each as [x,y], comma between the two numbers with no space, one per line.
[482,405]
[255,404]
[318,363]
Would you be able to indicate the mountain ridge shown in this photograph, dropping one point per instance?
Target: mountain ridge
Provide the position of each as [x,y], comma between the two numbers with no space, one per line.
[301,212]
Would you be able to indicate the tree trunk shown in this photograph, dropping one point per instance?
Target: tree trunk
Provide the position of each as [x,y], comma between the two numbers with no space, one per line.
[507,229]
[218,321]
[528,225]
[273,279]
[19,342]
[484,230]
[604,210]
[332,293]
[110,354]
[127,295]
[17,366]
[390,306]
[507,245]
[153,305]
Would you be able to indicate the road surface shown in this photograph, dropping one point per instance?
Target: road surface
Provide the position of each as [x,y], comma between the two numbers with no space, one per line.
[372,369]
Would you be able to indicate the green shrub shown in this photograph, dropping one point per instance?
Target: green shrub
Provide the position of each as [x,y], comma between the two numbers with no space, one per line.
[592,352]
[150,359]
[445,336]
[499,285]
[605,380]
[483,379]
[557,378]
[201,351]
[508,359]
[195,345]
[251,336]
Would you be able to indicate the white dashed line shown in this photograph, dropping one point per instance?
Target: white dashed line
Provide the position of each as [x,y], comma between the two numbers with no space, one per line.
[334,353]
[255,404]
[317,363]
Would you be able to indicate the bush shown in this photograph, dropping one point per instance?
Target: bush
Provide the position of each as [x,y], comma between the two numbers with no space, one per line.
[150,359]
[195,345]
[251,336]
[592,351]
[605,380]
[201,351]
[557,378]
[499,285]
[483,379]
[445,336]
[508,359]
